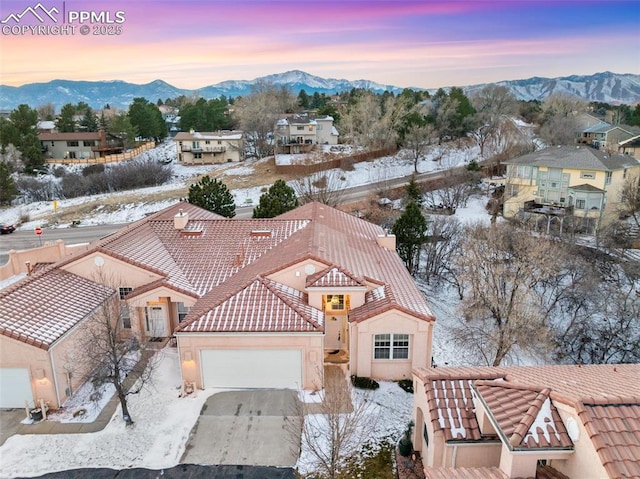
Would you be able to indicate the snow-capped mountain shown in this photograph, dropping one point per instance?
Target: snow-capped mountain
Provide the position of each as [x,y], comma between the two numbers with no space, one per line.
[606,87]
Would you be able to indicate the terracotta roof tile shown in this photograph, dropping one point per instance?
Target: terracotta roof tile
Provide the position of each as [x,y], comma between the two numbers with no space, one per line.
[614,430]
[333,277]
[526,417]
[452,404]
[35,312]
[261,306]
[464,473]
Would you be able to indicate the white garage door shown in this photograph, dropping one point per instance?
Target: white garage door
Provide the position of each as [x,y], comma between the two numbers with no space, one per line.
[15,388]
[252,368]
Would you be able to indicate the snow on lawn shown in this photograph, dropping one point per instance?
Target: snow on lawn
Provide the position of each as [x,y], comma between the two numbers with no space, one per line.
[390,410]
[157,440]
[382,169]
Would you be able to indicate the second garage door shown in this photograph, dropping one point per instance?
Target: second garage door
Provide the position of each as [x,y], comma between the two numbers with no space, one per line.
[252,368]
[15,387]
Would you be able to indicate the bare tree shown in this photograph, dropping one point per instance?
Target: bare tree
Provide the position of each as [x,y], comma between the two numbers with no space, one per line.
[443,238]
[257,113]
[494,105]
[336,429]
[112,352]
[629,205]
[323,186]
[46,111]
[416,142]
[500,269]
[452,190]
[560,126]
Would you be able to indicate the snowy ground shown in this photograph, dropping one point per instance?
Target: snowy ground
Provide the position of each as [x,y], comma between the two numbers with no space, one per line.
[163,422]
[380,170]
[162,419]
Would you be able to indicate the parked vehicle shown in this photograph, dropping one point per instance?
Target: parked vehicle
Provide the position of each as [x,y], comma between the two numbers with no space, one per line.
[6,229]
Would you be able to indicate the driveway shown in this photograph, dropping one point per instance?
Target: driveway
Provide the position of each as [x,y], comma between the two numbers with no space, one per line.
[252,427]
[10,423]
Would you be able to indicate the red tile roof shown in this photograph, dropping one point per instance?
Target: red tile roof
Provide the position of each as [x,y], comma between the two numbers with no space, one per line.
[43,307]
[614,430]
[334,277]
[464,473]
[261,306]
[526,417]
[605,397]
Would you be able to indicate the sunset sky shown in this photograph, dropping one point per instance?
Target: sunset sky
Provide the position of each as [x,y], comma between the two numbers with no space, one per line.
[428,44]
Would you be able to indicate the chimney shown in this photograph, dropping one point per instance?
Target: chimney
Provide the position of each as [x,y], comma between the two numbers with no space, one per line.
[180,220]
[387,241]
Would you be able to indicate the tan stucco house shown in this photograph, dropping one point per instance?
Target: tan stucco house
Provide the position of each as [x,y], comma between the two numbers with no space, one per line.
[630,147]
[207,148]
[546,422]
[605,136]
[299,133]
[252,303]
[79,145]
[560,182]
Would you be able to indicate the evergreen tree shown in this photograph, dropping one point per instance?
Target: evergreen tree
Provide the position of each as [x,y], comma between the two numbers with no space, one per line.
[413,191]
[25,122]
[147,119]
[212,195]
[7,185]
[279,199]
[65,123]
[303,99]
[89,121]
[411,233]
[120,126]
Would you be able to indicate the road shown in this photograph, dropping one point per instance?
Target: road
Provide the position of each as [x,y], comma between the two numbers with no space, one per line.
[19,240]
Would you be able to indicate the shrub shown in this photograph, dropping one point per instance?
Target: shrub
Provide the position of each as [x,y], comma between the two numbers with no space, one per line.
[406,385]
[364,383]
[473,166]
[93,169]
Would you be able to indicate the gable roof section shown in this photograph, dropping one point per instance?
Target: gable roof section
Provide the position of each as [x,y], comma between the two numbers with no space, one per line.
[526,417]
[452,401]
[35,312]
[614,430]
[345,240]
[334,277]
[261,306]
[575,157]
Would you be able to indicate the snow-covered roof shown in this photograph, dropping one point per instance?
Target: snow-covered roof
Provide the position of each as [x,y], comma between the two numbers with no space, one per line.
[213,135]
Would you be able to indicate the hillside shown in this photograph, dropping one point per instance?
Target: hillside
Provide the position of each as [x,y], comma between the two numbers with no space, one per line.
[606,87]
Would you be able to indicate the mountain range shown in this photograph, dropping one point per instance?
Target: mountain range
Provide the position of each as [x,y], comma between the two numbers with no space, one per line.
[614,88]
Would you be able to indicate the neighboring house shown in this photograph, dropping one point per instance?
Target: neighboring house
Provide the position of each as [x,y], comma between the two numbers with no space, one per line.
[80,145]
[299,133]
[630,147]
[605,136]
[272,300]
[545,422]
[46,126]
[567,182]
[207,148]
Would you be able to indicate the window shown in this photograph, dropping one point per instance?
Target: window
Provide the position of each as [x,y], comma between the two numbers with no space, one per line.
[125,316]
[124,291]
[391,346]
[195,144]
[72,154]
[182,312]
[88,143]
[219,142]
[425,434]
[588,175]
[197,156]
[335,301]
[72,143]
[580,204]
[299,128]
[513,190]
[607,179]
[207,142]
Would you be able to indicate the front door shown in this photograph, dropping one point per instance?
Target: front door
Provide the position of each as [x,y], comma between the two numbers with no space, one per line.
[156,324]
[334,332]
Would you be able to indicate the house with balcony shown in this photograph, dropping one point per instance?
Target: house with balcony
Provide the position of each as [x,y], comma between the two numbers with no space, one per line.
[567,186]
[209,148]
[544,422]
[79,145]
[273,300]
[604,136]
[301,132]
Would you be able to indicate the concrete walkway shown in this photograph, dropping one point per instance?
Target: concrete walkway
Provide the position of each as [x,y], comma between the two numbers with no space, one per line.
[10,420]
